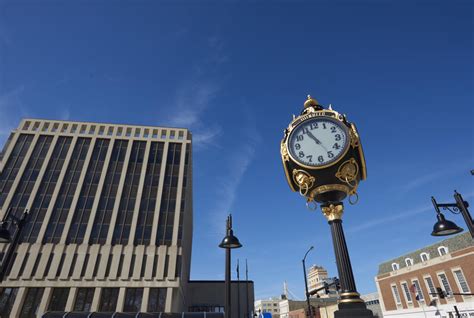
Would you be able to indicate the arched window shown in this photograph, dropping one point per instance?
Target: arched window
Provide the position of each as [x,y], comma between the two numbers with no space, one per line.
[395,266]
[424,257]
[408,261]
[442,250]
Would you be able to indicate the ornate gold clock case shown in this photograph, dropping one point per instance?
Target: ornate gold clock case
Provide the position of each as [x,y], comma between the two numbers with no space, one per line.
[322,154]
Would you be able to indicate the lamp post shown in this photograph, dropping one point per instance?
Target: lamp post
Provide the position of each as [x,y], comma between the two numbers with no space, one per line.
[445,227]
[306,282]
[229,242]
[5,237]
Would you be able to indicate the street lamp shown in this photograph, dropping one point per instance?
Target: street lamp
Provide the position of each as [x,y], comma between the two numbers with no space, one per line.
[446,227]
[5,237]
[306,283]
[229,242]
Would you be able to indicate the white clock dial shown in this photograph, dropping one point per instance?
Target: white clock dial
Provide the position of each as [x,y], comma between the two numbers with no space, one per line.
[318,142]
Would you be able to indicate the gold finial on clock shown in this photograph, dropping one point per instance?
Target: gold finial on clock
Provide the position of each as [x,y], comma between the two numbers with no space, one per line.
[310,102]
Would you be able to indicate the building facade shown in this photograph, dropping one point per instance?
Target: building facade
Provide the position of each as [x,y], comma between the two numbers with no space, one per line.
[407,284]
[317,276]
[271,305]
[110,218]
[372,302]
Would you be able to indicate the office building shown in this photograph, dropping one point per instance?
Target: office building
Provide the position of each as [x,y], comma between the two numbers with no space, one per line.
[110,218]
[407,284]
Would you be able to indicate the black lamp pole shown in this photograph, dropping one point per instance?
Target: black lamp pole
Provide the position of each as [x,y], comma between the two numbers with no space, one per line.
[6,238]
[446,227]
[306,282]
[229,242]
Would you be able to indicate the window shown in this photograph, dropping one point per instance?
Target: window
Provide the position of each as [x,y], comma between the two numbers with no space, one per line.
[461,280]
[133,300]
[129,195]
[88,192]
[409,261]
[395,266]
[7,298]
[424,257]
[109,193]
[443,279]
[108,299]
[396,295]
[149,192]
[430,286]
[58,299]
[442,250]
[419,292]
[157,300]
[32,301]
[407,292]
[84,299]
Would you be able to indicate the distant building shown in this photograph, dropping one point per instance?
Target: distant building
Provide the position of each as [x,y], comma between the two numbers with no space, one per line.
[317,276]
[271,305]
[323,305]
[407,284]
[373,303]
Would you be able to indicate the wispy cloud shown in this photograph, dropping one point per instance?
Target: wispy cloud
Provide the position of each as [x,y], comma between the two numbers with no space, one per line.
[10,107]
[191,103]
[395,216]
[240,158]
[198,94]
[434,175]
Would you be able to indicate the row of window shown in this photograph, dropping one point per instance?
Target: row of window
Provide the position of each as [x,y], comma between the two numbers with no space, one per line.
[414,291]
[87,260]
[82,300]
[89,156]
[424,257]
[102,130]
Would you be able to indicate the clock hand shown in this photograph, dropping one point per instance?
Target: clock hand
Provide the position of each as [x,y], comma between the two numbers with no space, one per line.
[316,140]
[310,134]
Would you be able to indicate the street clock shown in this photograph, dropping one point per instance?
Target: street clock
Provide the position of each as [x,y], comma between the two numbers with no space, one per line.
[322,155]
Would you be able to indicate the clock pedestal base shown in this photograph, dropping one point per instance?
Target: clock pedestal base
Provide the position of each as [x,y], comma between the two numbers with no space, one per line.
[353,310]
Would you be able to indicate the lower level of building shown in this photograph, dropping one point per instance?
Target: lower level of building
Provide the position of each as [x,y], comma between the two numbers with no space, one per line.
[193,296]
[465,309]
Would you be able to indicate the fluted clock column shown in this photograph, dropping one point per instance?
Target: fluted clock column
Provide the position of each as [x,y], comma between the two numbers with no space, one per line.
[350,304]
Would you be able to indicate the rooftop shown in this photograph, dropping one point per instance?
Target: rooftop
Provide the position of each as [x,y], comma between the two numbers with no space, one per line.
[453,244]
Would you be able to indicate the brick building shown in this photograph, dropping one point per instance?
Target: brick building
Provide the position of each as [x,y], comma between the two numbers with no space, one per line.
[406,284]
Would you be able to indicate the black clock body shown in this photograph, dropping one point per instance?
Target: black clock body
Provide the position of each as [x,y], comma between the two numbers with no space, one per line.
[326,182]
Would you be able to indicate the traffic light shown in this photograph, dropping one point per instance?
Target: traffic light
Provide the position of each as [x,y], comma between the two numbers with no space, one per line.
[337,283]
[326,288]
[440,293]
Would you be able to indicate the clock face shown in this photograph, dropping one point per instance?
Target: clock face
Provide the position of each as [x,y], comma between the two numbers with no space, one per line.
[318,142]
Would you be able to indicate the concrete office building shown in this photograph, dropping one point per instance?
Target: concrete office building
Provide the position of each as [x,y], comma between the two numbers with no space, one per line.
[110,218]
[407,284]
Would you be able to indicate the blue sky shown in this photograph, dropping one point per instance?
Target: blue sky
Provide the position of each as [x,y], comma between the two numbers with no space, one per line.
[234,72]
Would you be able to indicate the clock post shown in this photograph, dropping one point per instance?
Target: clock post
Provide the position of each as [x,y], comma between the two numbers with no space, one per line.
[323,159]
